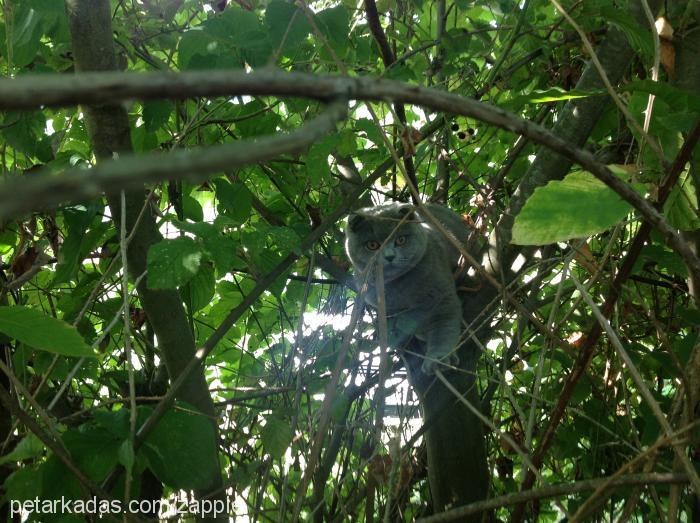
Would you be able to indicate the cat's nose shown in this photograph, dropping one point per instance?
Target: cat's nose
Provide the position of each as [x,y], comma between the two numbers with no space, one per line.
[389,255]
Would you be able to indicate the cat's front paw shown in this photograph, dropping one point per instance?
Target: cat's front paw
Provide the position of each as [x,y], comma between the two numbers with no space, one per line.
[444,363]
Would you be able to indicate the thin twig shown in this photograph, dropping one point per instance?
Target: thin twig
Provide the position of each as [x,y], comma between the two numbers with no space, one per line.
[55,445]
[501,434]
[639,381]
[325,411]
[593,335]
[584,508]
[551,491]
[126,314]
[655,67]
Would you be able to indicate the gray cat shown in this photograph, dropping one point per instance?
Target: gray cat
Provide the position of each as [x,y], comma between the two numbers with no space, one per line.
[419,265]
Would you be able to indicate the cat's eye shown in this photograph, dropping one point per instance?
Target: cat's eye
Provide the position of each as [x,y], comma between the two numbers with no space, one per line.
[400,240]
[373,245]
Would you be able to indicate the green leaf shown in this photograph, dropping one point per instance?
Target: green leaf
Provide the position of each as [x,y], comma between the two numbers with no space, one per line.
[117,423]
[58,481]
[334,24]
[142,140]
[276,436]
[339,408]
[199,291]
[288,26]
[22,130]
[197,50]
[236,199]
[680,208]
[371,130]
[52,16]
[126,455]
[677,98]
[285,239]
[192,209]
[77,220]
[201,229]
[639,37]
[26,36]
[181,450]
[29,447]
[172,263]
[156,114]
[576,207]
[662,258]
[257,49]
[222,251]
[237,24]
[347,146]
[42,332]
[243,30]
[255,120]
[553,94]
[23,484]
[94,450]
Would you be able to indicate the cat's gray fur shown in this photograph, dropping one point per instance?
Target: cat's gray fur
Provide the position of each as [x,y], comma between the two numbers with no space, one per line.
[419,282]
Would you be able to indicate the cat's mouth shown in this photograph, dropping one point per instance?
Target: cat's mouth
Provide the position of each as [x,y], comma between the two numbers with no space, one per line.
[392,270]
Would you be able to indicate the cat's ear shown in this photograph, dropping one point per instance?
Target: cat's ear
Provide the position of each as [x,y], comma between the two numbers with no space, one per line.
[407,212]
[354,221]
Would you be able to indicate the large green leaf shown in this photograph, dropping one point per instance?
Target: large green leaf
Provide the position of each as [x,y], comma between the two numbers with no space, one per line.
[222,251]
[334,24]
[197,50]
[94,450]
[22,130]
[236,25]
[199,291]
[77,220]
[276,436]
[172,263]
[23,484]
[29,447]
[156,114]
[576,207]
[288,25]
[676,97]
[181,450]
[43,332]
[235,199]
[681,207]
[26,36]
[285,239]
[639,37]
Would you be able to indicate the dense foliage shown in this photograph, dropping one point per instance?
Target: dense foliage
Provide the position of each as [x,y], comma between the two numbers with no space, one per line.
[299,427]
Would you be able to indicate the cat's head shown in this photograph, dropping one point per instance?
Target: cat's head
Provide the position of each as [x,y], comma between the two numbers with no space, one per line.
[390,234]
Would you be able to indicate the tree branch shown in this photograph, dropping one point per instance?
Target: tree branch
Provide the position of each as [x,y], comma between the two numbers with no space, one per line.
[131,171]
[104,87]
[551,491]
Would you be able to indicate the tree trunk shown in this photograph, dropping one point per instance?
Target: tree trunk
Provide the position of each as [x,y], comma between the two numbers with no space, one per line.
[108,127]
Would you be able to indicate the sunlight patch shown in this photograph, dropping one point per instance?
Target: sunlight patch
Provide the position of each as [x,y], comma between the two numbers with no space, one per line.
[315,320]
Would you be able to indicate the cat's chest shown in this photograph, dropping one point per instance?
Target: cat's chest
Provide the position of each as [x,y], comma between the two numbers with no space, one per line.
[405,294]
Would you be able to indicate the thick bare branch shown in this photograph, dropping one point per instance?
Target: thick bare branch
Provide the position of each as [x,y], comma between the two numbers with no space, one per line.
[103,87]
[130,172]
